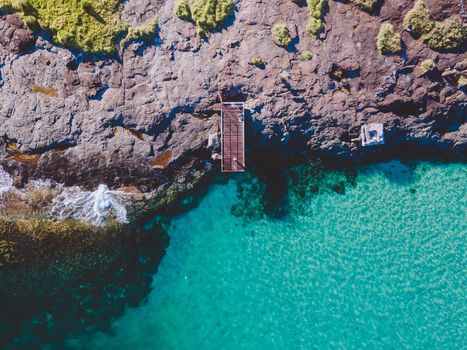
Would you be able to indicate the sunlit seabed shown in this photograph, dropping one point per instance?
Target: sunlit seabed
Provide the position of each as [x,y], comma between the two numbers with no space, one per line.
[381,266]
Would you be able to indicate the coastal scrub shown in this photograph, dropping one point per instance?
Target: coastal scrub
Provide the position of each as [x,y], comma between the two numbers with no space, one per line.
[448,35]
[316,10]
[90,26]
[257,62]
[388,41]
[418,21]
[207,15]
[305,56]
[145,32]
[281,34]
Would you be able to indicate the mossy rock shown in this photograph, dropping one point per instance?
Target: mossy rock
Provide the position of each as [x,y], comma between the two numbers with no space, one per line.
[207,15]
[388,41]
[281,34]
[449,35]
[418,21]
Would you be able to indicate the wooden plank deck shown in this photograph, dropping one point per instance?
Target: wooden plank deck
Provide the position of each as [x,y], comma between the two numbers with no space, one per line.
[233,137]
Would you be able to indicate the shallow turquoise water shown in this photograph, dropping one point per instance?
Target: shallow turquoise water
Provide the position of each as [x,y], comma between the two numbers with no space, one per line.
[379,267]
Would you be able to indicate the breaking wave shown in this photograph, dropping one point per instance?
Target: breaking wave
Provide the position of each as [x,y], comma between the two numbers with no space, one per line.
[6,182]
[93,207]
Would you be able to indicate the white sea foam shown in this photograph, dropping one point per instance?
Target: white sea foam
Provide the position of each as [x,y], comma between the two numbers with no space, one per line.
[6,182]
[73,203]
[93,207]
[41,184]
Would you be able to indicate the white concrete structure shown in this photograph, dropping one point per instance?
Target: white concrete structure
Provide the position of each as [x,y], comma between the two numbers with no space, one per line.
[372,134]
[213,141]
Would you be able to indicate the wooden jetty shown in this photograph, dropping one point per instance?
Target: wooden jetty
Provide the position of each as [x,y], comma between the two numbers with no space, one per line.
[233,136]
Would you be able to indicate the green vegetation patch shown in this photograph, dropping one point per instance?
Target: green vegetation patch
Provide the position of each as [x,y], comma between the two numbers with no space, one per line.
[90,26]
[281,34]
[182,10]
[367,5]
[145,32]
[305,56]
[207,15]
[315,23]
[449,35]
[418,21]
[258,62]
[426,66]
[388,41]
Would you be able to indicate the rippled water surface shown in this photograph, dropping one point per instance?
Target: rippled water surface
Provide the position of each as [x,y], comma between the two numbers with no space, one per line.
[370,262]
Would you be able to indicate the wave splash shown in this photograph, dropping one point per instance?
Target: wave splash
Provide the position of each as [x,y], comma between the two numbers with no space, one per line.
[93,207]
[6,182]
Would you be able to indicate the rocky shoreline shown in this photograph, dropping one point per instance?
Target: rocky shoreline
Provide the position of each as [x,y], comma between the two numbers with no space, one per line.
[141,120]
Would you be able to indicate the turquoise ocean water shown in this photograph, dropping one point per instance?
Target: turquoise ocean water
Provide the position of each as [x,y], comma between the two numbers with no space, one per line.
[377,261]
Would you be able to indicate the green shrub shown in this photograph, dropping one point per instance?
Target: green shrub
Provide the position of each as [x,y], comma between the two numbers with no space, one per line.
[417,21]
[257,61]
[305,56]
[207,15]
[426,66]
[447,36]
[462,82]
[367,5]
[145,32]
[90,26]
[388,41]
[316,10]
[314,27]
[182,10]
[281,34]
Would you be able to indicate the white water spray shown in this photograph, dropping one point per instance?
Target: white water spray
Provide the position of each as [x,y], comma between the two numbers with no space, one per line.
[93,207]
[6,182]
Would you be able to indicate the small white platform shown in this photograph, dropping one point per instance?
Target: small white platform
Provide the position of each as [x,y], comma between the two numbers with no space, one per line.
[372,134]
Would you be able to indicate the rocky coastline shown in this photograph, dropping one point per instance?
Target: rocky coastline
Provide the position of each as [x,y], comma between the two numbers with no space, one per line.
[139,121]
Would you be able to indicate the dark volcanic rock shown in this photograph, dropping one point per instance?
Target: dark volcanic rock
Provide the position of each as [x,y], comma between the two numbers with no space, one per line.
[15,37]
[110,118]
